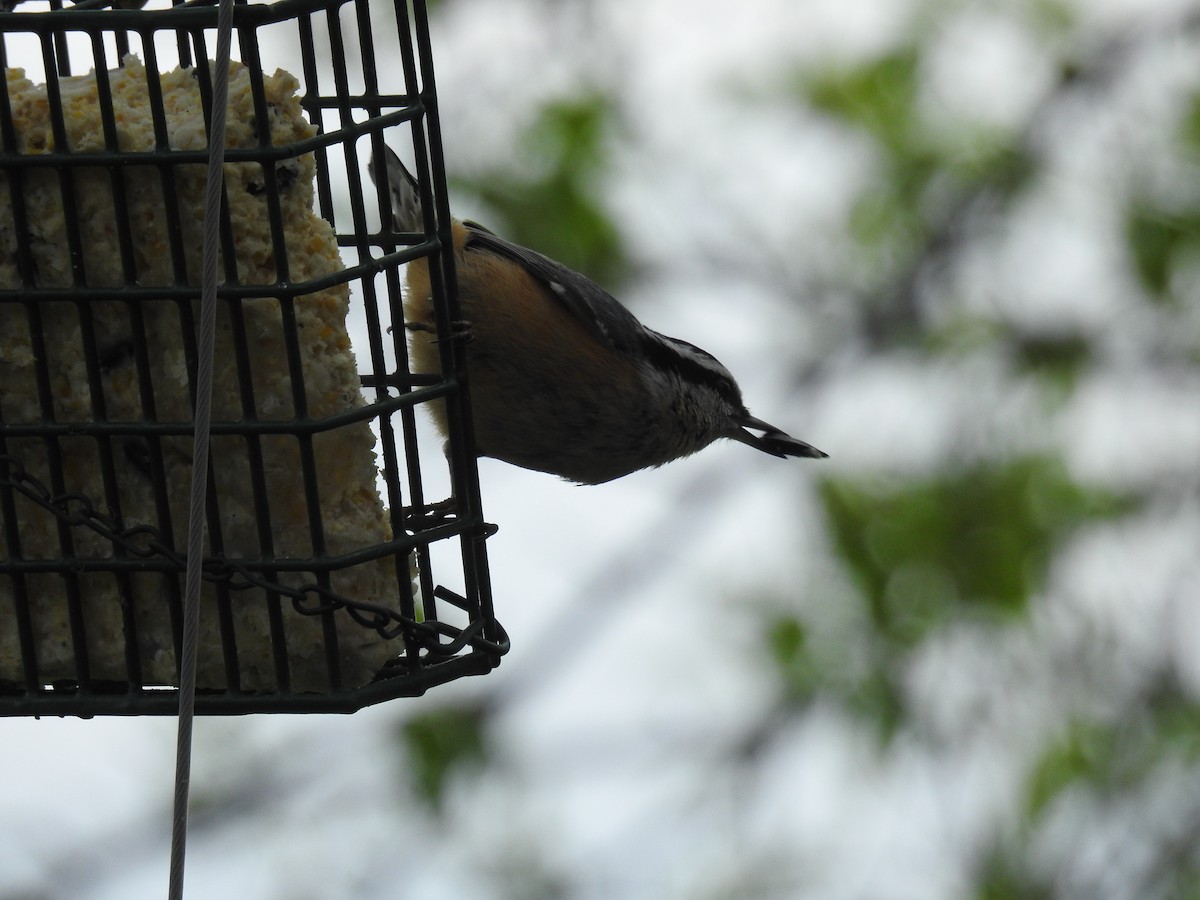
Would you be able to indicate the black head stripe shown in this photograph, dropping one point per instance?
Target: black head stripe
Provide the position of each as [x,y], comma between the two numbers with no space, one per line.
[692,364]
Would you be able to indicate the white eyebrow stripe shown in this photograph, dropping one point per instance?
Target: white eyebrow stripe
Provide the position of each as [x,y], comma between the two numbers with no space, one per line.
[700,357]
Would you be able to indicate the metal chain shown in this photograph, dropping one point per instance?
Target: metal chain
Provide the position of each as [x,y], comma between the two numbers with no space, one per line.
[145,542]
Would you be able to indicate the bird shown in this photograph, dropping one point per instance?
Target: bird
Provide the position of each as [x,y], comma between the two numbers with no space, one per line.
[563,378]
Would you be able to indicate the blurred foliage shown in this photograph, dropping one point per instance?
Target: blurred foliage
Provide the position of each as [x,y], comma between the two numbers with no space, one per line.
[1052,17]
[879,96]
[1057,358]
[1164,241]
[1086,751]
[1160,242]
[1190,128]
[924,550]
[1111,757]
[979,541]
[971,542]
[558,212]
[1003,876]
[800,673]
[1114,761]
[440,744]
[974,540]
[899,215]
[787,642]
[805,673]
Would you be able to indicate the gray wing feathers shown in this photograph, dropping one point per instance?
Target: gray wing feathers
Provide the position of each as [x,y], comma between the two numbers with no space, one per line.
[594,308]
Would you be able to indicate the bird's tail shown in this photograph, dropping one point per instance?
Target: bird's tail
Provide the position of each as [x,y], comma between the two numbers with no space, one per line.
[403,191]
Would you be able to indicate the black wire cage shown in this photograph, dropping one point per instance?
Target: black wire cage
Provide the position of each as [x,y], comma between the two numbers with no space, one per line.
[345,560]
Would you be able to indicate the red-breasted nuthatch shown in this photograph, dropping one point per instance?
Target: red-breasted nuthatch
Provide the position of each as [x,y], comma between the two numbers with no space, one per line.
[564,379]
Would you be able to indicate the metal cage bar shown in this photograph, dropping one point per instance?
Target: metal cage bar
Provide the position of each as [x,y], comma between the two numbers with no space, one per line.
[323,592]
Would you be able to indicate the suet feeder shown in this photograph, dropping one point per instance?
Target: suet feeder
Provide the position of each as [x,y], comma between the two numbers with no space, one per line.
[344,560]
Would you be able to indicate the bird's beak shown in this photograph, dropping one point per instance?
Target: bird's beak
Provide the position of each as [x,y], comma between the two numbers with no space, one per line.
[773,440]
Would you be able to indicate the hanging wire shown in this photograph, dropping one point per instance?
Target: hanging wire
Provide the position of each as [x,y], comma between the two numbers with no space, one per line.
[201,424]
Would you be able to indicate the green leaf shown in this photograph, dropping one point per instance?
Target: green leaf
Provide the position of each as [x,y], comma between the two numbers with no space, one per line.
[979,538]
[440,744]
[1182,882]
[879,699]
[1158,241]
[1061,358]
[1083,753]
[962,335]
[878,96]
[1053,16]
[1003,167]
[1058,358]
[1116,756]
[1177,724]
[787,642]
[1005,875]
[921,176]
[1190,128]
[786,638]
[559,212]
[806,669]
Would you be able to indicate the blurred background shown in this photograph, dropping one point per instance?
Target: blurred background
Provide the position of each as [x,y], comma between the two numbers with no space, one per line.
[953,243]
